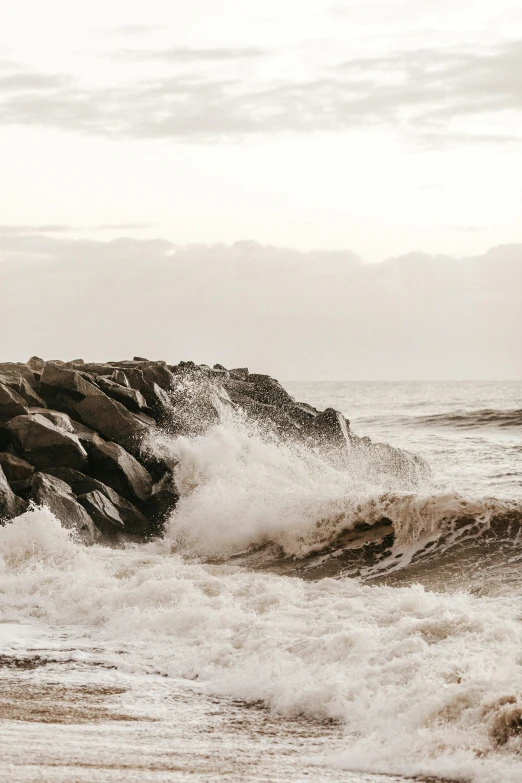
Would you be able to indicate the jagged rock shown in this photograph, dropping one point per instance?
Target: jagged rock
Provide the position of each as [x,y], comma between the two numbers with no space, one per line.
[331,428]
[103,513]
[36,366]
[57,496]
[239,373]
[11,505]
[12,372]
[58,418]
[118,376]
[303,413]
[133,519]
[11,403]
[15,468]
[145,380]
[161,503]
[112,420]
[132,399]
[269,391]
[43,444]
[112,465]
[56,379]
[20,379]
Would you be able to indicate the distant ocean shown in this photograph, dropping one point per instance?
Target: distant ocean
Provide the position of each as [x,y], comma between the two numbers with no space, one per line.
[252,643]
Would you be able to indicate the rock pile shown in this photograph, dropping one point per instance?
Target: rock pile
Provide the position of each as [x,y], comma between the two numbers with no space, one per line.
[75,436]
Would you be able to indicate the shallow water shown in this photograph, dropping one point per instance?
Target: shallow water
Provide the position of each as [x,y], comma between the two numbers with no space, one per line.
[172,660]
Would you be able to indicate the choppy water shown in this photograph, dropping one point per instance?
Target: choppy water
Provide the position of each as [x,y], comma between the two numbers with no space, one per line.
[219,653]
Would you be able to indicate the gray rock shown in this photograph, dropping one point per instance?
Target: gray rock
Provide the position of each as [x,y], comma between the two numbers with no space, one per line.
[43,444]
[11,505]
[112,465]
[103,513]
[161,503]
[15,468]
[239,373]
[112,420]
[56,379]
[132,399]
[12,372]
[57,496]
[331,428]
[36,366]
[133,519]
[11,403]
[58,418]
[118,376]
[269,391]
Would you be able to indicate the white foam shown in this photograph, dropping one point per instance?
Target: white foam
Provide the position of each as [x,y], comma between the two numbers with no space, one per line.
[416,677]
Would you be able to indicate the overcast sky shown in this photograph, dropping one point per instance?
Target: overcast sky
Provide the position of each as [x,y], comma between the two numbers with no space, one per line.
[208,135]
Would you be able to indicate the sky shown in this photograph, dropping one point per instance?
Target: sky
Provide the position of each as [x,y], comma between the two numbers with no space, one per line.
[318,188]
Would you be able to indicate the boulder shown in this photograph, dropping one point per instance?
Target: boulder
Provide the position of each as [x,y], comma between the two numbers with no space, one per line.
[302,413]
[56,379]
[57,496]
[118,376]
[103,513]
[112,465]
[112,420]
[58,418]
[239,373]
[11,505]
[11,374]
[269,391]
[161,503]
[154,393]
[11,403]
[15,468]
[43,444]
[132,399]
[331,428]
[36,366]
[133,519]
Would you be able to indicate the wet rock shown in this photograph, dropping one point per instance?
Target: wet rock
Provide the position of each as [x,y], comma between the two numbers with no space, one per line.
[239,373]
[269,391]
[330,427]
[132,399]
[11,505]
[43,444]
[303,414]
[103,513]
[57,496]
[15,468]
[11,403]
[112,465]
[56,379]
[161,503]
[134,521]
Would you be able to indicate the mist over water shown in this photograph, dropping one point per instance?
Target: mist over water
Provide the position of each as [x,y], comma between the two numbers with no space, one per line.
[417,660]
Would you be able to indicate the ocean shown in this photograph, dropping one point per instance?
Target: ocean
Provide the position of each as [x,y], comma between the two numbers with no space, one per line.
[255,642]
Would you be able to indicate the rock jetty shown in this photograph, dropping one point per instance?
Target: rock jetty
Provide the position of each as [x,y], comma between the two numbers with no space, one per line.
[76,437]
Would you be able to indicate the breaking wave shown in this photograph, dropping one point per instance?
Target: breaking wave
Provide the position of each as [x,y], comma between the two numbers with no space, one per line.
[279,505]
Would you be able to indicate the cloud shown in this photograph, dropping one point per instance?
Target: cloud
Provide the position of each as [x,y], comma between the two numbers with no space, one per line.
[422,92]
[316,315]
[180,54]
